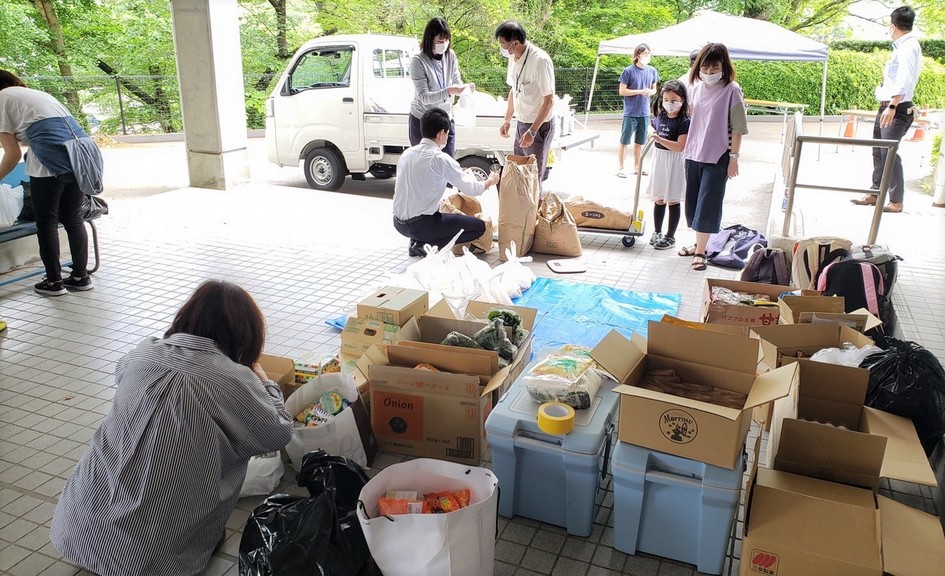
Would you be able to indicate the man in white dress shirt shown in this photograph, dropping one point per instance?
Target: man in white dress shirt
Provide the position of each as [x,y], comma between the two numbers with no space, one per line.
[422,174]
[896,112]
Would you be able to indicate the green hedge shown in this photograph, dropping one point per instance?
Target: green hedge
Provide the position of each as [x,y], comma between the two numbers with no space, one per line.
[851,79]
[930,47]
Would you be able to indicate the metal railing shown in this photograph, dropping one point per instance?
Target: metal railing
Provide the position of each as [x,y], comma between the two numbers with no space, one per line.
[892,148]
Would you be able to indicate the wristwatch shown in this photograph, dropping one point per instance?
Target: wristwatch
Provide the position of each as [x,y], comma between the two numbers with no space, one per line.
[733,155]
[531,133]
[891,106]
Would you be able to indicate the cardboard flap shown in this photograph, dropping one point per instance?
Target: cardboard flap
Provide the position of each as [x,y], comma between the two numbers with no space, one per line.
[714,349]
[913,543]
[772,385]
[792,306]
[722,328]
[433,383]
[435,330]
[619,356]
[871,321]
[905,459]
[446,358]
[832,454]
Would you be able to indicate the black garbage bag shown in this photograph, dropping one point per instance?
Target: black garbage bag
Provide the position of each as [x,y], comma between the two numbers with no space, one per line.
[319,535]
[909,381]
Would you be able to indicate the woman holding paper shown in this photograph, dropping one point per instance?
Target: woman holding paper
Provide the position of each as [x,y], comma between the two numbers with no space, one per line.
[436,80]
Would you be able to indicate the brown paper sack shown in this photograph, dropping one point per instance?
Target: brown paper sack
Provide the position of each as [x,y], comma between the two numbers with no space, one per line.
[594,215]
[518,204]
[555,231]
[470,206]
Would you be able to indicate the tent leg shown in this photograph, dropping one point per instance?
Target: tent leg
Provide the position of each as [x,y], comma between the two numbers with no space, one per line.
[590,97]
[823,100]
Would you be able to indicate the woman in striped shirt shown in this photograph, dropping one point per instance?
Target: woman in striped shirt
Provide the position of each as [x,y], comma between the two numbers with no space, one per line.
[154,491]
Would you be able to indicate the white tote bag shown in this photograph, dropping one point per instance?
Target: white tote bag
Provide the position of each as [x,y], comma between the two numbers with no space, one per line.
[348,434]
[460,543]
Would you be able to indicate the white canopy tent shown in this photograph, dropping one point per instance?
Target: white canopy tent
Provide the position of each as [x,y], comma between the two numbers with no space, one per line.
[745,38]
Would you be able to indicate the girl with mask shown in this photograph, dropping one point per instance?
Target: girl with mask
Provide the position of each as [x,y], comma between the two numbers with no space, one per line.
[436,80]
[668,183]
[718,122]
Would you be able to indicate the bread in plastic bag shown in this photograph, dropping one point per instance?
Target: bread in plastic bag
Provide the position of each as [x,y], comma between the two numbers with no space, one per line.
[568,376]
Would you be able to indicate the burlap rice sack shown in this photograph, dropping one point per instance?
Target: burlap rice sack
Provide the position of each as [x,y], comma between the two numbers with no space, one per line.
[518,204]
[470,206]
[556,231]
[594,215]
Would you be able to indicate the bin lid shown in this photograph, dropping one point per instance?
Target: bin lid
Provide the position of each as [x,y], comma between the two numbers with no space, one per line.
[632,459]
[517,413]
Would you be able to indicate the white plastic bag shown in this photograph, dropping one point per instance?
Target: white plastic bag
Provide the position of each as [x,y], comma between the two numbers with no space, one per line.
[459,543]
[11,204]
[263,474]
[464,113]
[348,434]
[849,355]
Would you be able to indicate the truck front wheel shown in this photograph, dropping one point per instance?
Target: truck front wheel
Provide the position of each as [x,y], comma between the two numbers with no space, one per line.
[478,165]
[324,170]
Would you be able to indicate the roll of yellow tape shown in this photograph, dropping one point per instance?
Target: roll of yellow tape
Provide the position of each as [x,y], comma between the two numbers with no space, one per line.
[555,418]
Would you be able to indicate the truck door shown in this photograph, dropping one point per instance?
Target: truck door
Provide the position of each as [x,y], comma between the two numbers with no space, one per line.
[319,101]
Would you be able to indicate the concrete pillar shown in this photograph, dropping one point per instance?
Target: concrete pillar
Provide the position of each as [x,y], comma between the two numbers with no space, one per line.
[210,73]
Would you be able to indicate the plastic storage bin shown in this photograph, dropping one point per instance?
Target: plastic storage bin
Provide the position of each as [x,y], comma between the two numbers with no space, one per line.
[545,477]
[674,507]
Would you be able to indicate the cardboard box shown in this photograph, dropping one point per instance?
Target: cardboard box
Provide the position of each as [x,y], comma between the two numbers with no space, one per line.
[784,342]
[828,393]
[791,341]
[820,309]
[801,523]
[359,334]
[394,305]
[438,414]
[689,428]
[716,313]
[280,370]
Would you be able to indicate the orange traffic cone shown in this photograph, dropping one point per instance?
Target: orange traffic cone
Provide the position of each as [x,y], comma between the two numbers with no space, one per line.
[849,129]
[921,125]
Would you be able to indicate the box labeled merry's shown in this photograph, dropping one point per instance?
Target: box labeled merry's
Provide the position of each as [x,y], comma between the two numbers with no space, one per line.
[701,426]
[393,305]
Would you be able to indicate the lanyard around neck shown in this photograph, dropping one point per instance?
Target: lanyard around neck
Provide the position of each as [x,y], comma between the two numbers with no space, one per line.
[522,69]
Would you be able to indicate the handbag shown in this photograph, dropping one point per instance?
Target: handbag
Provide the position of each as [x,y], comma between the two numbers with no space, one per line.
[86,161]
[458,543]
[347,434]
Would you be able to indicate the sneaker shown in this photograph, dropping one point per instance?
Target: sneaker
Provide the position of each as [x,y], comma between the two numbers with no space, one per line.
[47,288]
[655,238]
[621,174]
[76,283]
[665,243]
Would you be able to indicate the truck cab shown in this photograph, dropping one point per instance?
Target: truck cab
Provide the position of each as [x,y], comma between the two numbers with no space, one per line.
[341,108]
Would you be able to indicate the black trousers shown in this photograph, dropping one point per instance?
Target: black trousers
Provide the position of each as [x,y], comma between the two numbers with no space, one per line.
[895,131]
[57,199]
[438,229]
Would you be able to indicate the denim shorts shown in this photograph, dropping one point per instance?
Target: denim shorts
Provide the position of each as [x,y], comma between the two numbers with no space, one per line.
[634,127]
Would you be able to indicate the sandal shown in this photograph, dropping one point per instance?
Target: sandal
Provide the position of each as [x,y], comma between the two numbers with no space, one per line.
[687,250]
[698,262]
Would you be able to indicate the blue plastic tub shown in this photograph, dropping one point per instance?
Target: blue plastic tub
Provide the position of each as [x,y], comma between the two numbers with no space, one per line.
[549,478]
[674,507]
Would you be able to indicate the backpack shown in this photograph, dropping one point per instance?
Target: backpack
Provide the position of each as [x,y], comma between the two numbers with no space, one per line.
[812,255]
[883,258]
[729,247]
[860,284]
[768,266]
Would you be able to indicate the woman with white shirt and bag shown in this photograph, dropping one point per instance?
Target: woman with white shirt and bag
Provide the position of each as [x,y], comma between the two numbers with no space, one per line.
[436,80]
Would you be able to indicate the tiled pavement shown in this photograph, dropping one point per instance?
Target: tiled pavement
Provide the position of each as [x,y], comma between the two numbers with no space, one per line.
[307,257]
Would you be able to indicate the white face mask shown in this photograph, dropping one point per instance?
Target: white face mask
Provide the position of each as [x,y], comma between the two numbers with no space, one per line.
[672,106]
[710,78]
[441,48]
[505,52]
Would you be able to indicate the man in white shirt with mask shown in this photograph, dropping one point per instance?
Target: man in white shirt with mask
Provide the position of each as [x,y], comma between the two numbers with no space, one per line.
[896,112]
[531,78]
[422,173]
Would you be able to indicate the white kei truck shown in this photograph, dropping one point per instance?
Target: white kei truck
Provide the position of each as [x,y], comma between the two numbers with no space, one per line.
[341,107]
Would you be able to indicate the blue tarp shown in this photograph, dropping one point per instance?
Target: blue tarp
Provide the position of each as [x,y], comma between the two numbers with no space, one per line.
[576,313]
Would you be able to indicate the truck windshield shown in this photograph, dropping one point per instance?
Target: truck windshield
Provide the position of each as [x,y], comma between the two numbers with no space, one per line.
[323,68]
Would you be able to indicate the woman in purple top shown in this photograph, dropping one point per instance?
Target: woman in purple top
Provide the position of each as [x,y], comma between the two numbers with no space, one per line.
[717,124]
